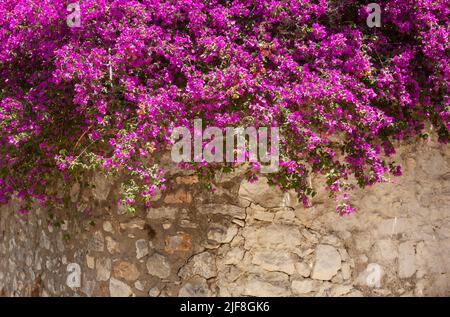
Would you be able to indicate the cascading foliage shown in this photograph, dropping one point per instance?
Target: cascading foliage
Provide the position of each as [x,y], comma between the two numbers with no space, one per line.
[107,94]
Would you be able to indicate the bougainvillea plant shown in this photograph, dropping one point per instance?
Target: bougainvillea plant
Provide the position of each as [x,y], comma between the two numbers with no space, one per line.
[107,94]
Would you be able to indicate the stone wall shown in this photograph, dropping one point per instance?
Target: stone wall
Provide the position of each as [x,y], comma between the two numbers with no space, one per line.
[241,239]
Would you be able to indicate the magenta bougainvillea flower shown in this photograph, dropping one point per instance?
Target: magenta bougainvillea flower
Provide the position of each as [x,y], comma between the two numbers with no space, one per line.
[107,93]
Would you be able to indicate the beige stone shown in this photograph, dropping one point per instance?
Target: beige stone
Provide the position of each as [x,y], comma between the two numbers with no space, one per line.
[327,262]
[119,289]
[222,234]
[90,262]
[179,197]
[158,265]
[275,260]
[136,223]
[261,193]
[126,270]
[112,246]
[255,286]
[302,287]
[187,180]
[406,260]
[103,268]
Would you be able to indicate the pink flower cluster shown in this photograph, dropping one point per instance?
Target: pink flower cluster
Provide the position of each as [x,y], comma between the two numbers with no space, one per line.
[106,95]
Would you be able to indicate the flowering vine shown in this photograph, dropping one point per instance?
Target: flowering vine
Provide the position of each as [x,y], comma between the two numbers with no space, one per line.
[107,94]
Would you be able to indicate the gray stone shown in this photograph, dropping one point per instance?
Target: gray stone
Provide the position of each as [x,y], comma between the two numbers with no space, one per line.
[327,262]
[101,187]
[119,289]
[139,285]
[141,248]
[96,242]
[203,264]
[196,287]
[222,234]
[302,287]
[88,287]
[158,265]
[162,213]
[154,292]
[103,268]
[234,256]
